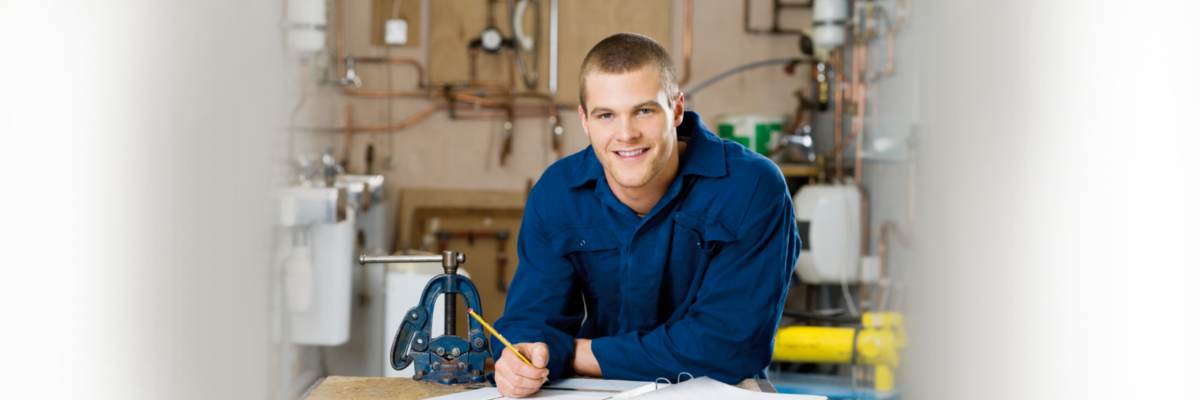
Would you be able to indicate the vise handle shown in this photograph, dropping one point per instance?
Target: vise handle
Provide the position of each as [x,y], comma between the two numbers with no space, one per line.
[449,259]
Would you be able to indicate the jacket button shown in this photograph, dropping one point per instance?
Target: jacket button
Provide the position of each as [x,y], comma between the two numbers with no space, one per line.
[582,242]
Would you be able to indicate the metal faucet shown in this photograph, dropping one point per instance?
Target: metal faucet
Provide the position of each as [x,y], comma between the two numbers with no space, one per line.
[351,76]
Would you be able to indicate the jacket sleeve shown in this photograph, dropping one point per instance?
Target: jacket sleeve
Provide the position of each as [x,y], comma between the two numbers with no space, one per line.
[544,304]
[728,333]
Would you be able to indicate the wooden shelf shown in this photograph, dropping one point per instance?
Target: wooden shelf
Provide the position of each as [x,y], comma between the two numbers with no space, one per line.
[805,170]
[798,170]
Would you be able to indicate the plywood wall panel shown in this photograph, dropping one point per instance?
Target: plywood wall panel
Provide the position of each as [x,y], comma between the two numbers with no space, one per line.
[584,23]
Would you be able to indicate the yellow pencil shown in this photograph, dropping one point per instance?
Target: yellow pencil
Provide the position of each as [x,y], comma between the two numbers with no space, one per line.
[501,337]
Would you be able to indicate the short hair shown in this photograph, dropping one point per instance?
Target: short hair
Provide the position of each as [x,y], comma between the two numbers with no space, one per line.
[626,52]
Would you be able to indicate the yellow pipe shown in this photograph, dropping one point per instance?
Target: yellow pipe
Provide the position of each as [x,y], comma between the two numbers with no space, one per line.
[877,343]
[814,344]
[884,380]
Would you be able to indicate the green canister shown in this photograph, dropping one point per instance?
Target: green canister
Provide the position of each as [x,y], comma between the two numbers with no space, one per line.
[758,132]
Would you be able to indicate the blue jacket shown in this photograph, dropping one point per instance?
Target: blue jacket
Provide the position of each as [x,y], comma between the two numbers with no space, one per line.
[696,286]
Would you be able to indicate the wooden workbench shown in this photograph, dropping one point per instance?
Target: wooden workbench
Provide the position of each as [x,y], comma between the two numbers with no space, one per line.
[359,388]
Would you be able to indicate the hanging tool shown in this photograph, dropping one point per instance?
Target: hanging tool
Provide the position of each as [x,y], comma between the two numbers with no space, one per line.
[526,46]
[447,359]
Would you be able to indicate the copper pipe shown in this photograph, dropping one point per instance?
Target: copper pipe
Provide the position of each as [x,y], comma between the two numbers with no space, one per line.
[397,61]
[472,54]
[521,112]
[421,116]
[864,221]
[506,147]
[382,94]
[512,71]
[838,110]
[504,115]
[860,109]
[340,42]
[490,85]
[479,100]
[887,231]
[687,42]
[347,132]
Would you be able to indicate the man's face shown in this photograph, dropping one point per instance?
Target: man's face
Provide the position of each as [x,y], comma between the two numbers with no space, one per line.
[631,125]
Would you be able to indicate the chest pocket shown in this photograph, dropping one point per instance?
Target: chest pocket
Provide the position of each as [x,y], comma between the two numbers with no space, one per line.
[593,251]
[696,233]
[695,241]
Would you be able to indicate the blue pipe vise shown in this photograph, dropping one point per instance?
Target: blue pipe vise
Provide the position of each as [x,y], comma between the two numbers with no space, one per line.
[447,359]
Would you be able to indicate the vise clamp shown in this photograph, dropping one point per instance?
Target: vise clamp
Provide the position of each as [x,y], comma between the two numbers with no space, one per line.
[446,359]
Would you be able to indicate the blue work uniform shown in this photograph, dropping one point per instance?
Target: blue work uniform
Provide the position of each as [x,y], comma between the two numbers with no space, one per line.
[695,286]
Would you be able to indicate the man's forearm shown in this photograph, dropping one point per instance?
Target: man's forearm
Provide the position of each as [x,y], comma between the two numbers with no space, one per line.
[585,362]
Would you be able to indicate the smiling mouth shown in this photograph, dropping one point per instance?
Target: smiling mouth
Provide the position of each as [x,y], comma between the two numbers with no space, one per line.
[630,153]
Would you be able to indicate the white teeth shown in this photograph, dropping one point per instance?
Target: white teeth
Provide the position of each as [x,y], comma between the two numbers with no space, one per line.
[630,153]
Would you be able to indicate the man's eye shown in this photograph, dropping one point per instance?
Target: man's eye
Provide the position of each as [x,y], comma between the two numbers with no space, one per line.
[605,116]
[645,111]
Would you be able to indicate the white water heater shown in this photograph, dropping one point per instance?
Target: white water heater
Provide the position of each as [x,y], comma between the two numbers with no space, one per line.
[829,219]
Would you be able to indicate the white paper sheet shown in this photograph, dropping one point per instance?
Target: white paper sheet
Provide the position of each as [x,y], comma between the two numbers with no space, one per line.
[589,389]
[707,388]
[599,389]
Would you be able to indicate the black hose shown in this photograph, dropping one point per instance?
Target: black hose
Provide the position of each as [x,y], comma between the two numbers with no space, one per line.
[787,61]
[821,317]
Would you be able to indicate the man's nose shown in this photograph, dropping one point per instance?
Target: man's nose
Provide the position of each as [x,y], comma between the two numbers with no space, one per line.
[627,131]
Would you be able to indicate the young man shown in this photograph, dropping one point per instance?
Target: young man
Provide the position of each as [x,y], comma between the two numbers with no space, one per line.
[659,249]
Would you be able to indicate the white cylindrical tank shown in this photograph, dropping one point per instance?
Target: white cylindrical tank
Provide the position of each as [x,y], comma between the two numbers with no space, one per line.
[306,25]
[829,220]
[829,22]
[323,319]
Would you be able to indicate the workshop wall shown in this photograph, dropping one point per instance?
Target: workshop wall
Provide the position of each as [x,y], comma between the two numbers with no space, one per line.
[453,154]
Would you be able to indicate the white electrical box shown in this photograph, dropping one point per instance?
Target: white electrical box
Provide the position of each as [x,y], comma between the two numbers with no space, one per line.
[829,218]
[395,31]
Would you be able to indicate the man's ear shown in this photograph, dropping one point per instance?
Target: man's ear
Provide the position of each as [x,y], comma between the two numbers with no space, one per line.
[583,120]
[678,109]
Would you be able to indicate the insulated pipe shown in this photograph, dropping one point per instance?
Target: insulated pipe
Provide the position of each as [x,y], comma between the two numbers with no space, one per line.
[346,134]
[522,111]
[887,231]
[838,110]
[553,83]
[687,42]
[340,41]
[421,82]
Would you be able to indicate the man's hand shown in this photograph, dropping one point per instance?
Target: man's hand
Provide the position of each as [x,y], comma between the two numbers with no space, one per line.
[585,362]
[515,378]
